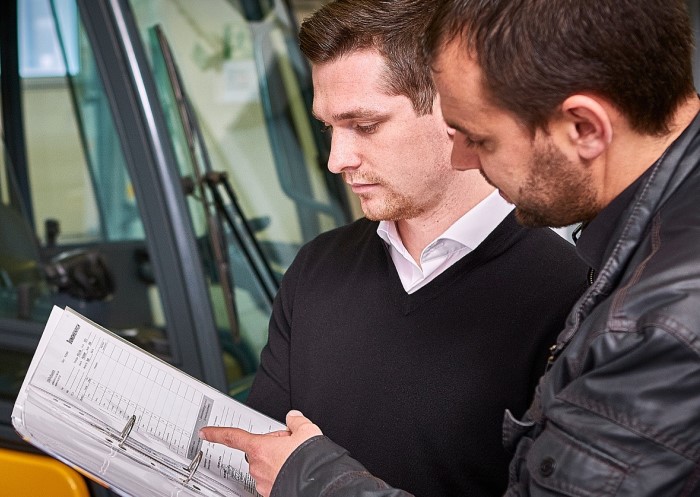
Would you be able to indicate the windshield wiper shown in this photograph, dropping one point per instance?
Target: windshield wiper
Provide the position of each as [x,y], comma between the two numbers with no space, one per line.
[208,181]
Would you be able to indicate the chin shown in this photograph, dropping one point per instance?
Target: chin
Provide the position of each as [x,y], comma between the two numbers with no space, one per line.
[373,215]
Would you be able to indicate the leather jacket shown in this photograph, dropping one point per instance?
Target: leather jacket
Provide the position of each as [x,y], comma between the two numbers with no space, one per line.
[618,412]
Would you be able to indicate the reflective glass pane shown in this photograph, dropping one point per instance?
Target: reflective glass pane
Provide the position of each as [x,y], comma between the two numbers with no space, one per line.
[85,247]
[251,92]
[39,51]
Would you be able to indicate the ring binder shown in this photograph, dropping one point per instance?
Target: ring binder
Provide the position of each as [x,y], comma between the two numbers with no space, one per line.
[127,430]
[151,451]
[192,469]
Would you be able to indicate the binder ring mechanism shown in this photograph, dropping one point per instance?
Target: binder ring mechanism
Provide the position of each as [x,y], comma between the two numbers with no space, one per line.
[191,469]
[126,431]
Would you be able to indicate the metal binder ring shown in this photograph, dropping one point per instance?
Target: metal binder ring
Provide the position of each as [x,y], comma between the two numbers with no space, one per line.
[192,469]
[127,430]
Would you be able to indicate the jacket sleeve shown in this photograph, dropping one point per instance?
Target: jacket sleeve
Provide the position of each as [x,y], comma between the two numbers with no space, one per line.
[270,393]
[320,468]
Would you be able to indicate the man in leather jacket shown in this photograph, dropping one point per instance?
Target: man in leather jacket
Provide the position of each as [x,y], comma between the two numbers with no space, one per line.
[577,111]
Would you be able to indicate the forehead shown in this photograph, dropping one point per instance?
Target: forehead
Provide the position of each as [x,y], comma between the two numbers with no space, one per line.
[370,62]
[465,103]
[459,79]
[353,80]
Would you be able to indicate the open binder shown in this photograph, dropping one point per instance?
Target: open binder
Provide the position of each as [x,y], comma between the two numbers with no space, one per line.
[127,419]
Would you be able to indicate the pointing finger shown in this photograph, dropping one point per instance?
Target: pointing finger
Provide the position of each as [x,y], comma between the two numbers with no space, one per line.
[231,437]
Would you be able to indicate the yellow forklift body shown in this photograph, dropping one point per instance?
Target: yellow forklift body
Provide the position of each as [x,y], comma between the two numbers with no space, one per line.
[31,475]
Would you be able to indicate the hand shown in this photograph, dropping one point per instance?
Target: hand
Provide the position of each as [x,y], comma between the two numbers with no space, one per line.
[265,453]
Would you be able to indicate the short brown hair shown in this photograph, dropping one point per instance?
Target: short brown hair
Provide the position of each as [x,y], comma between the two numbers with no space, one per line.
[536,53]
[393,28]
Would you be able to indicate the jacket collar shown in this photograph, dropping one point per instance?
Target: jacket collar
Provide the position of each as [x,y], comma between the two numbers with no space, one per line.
[592,242]
[657,185]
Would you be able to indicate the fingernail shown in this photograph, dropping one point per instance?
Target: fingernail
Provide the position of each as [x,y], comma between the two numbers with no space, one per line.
[202,435]
[294,412]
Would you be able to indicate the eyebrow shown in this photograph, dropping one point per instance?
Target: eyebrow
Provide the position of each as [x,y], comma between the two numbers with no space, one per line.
[461,129]
[358,113]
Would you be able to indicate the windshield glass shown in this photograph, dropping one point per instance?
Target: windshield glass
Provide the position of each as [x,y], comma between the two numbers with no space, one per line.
[250,90]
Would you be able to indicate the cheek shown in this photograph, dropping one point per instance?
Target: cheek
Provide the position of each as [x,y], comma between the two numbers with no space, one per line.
[510,165]
[500,173]
[398,154]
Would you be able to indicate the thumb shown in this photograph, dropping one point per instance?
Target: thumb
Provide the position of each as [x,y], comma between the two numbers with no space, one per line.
[296,422]
[231,437]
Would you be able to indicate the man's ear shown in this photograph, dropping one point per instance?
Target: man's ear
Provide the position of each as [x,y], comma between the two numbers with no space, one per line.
[588,124]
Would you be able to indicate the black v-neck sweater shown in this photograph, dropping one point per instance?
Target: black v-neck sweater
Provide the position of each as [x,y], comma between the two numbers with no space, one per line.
[415,386]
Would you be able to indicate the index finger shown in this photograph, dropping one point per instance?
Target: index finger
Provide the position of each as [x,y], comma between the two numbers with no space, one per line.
[231,437]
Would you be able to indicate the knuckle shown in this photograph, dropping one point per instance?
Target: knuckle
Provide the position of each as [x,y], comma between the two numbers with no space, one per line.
[227,438]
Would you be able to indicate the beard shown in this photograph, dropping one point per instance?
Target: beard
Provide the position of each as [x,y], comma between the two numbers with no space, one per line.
[388,204]
[556,193]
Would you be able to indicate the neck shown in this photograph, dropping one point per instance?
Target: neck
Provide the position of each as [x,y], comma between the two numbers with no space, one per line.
[635,153]
[416,233]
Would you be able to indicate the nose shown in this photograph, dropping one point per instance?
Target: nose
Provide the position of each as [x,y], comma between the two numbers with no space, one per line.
[464,157]
[344,154]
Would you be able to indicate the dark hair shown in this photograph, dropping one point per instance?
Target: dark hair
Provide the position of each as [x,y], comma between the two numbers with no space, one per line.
[391,27]
[536,53]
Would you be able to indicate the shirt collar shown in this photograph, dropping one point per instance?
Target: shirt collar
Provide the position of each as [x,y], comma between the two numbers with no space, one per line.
[468,231]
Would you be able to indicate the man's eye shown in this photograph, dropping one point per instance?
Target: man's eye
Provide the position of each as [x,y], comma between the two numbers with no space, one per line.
[471,143]
[367,129]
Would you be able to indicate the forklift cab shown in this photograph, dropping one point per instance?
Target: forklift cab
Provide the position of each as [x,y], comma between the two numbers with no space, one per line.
[159,170]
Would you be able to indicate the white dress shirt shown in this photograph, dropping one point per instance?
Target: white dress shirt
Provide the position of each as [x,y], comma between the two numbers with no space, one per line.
[457,241]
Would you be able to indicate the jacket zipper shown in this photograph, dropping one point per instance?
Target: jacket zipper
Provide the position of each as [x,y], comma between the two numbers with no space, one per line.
[556,349]
[591,276]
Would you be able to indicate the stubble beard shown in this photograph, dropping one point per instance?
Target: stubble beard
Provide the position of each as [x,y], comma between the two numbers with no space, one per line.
[392,207]
[557,193]
[387,204]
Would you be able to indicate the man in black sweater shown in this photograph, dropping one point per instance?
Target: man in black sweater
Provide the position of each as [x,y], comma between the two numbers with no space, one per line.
[407,334]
